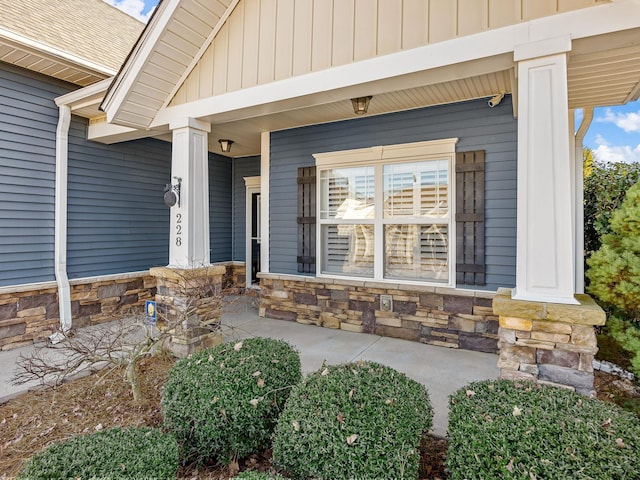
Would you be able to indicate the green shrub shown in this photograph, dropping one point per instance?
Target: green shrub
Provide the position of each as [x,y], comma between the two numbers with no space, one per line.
[504,429]
[255,475]
[353,421]
[224,402]
[117,453]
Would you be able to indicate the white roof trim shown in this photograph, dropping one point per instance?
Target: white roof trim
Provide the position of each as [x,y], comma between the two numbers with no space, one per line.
[137,59]
[85,93]
[42,48]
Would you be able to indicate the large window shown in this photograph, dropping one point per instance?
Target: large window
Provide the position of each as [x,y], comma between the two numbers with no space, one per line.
[385,212]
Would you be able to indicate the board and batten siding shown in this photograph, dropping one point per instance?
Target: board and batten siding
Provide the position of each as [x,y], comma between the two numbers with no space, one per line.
[242,167]
[117,220]
[268,40]
[477,126]
[28,121]
[220,207]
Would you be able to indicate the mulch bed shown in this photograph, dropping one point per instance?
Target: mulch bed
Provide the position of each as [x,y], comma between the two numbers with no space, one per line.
[38,418]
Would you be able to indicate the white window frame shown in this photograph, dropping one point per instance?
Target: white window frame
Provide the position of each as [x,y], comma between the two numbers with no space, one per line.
[443,149]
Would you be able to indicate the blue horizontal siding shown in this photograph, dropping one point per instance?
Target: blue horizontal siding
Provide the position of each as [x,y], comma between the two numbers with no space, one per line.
[28,120]
[117,220]
[220,211]
[242,167]
[477,127]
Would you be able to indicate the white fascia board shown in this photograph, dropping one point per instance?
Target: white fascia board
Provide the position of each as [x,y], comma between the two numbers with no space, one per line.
[54,53]
[398,64]
[602,19]
[80,97]
[109,133]
[137,59]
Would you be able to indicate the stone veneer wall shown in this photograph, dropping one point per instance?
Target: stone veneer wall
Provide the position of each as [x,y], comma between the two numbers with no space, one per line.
[437,316]
[549,343]
[31,313]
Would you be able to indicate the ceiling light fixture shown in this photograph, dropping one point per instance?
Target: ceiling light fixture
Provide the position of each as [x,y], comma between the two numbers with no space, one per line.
[225,144]
[361,104]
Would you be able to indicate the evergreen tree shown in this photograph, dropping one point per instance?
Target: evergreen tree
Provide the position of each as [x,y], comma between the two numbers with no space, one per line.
[615,275]
[614,269]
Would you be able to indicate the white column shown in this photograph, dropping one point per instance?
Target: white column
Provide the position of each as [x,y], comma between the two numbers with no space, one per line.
[189,237]
[545,262]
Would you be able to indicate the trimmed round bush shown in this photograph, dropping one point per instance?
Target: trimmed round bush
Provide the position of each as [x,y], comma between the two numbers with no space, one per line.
[505,429]
[224,402]
[361,420]
[255,475]
[119,453]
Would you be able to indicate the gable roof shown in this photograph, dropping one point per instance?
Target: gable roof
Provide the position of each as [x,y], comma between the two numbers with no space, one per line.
[79,41]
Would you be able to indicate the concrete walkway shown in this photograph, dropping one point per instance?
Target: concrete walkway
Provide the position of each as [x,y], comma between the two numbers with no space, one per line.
[441,370]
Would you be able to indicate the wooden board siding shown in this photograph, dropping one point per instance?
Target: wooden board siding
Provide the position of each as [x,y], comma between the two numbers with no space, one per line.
[117,221]
[28,120]
[220,191]
[477,126]
[267,40]
[242,167]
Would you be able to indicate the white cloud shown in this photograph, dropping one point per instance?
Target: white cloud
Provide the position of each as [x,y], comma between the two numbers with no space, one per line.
[133,8]
[615,153]
[629,122]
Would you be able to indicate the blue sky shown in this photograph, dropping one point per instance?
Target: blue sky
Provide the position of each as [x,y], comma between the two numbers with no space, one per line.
[614,134]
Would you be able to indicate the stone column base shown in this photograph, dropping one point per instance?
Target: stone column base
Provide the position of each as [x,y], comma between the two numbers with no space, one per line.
[189,303]
[550,343]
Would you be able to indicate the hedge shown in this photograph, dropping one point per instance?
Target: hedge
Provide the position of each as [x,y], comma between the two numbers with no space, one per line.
[505,429]
[119,453]
[224,402]
[353,421]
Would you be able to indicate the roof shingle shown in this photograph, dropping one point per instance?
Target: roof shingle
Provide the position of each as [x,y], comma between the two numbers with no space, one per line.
[89,29]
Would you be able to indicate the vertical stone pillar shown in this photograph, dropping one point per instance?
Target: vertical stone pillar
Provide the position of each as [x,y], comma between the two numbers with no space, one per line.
[545,246]
[189,238]
[189,302]
[550,343]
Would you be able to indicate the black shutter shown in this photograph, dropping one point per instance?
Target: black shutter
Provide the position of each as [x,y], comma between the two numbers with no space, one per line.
[470,267]
[307,220]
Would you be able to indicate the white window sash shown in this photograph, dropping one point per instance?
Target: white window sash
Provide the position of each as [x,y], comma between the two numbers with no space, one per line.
[378,157]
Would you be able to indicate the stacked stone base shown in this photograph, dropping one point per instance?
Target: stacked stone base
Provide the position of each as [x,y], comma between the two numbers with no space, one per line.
[436,316]
[189,304]
[31,313]
[547,342]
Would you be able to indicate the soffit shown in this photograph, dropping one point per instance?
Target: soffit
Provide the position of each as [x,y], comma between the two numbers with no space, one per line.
[604,70]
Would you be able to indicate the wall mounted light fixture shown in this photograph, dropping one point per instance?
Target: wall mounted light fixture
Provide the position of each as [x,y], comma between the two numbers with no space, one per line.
[172,193]
[361,104]
[225,144]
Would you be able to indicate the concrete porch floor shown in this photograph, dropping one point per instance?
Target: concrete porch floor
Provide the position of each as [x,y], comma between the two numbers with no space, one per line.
[441,370]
